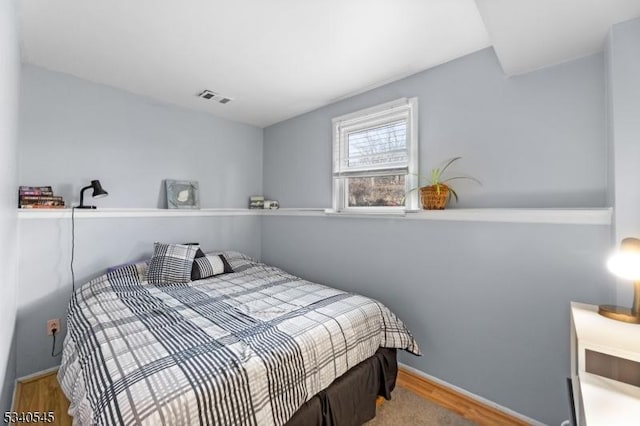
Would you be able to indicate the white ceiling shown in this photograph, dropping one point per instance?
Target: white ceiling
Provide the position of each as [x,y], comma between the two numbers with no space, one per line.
[280,58]
[531,34]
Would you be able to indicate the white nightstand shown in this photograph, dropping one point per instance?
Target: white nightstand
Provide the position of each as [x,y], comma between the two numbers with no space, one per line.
[605,368]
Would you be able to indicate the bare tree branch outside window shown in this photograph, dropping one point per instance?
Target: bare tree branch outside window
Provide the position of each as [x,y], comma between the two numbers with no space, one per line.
[376,146]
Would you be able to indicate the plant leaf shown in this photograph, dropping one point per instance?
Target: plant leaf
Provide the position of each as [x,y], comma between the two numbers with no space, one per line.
[449,163]
[451,191]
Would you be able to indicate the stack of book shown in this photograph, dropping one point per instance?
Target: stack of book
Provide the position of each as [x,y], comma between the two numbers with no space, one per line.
[39,197]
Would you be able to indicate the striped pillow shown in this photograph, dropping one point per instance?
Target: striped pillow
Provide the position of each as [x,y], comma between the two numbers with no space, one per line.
[210,265]
[171,263]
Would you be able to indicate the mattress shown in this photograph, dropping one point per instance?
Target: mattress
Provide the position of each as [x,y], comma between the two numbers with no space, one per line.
[244,348]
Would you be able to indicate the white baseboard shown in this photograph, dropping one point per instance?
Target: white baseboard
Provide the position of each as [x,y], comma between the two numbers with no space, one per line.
[478,398]
[37,373]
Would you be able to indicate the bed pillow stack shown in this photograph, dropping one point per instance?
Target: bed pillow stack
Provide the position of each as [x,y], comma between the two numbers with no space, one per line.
[209,266]
[171,263]
[181,263]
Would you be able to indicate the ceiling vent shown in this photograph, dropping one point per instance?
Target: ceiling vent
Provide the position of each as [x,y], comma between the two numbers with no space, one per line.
[213,96]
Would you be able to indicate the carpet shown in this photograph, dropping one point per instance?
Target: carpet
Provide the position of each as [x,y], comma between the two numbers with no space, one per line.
[407,408]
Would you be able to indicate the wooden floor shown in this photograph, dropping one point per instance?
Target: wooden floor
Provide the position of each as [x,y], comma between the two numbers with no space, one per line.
[452,400]
[43,394]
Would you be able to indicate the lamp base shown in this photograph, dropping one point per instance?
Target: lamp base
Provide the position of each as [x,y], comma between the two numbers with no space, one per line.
[619,313]
[86,207]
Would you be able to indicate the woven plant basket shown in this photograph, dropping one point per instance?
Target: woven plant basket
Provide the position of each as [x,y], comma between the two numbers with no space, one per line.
[431,199]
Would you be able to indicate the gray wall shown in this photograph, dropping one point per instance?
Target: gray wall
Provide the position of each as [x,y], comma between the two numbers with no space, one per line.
[72,131]
[535,140]
[623,65]
[611,167]
[489,303]
[45,254]
[9,77]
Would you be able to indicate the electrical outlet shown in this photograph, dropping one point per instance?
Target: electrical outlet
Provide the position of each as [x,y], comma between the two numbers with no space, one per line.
[53,324]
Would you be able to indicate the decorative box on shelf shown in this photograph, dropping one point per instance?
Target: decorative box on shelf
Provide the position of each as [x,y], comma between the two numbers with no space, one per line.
[605,368]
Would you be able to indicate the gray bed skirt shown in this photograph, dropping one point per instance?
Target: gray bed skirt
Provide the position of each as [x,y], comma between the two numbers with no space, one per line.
[351,399]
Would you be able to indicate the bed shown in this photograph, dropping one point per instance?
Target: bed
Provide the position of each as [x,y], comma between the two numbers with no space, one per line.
[257,346]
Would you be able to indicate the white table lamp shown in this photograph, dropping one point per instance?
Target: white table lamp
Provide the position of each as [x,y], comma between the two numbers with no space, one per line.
[625,263]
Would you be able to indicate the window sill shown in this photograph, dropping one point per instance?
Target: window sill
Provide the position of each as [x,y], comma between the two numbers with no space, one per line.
[591,216]
[367,214]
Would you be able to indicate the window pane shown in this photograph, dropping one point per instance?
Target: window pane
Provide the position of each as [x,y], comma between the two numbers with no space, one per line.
[378,146]
[377,191]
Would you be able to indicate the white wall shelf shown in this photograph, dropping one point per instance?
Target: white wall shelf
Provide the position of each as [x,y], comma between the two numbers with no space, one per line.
[595,216]
[601,216]
[132,212]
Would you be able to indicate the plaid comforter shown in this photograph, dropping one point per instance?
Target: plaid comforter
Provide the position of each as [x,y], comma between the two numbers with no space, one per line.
[247,348]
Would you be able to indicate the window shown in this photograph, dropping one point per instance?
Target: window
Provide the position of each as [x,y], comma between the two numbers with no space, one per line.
[375,158]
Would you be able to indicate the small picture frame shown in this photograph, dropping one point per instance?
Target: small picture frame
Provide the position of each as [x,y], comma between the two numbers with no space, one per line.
[182,194]
[256,202]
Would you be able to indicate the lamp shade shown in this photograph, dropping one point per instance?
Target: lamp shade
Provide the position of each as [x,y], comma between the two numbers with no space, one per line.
[98,191]
[625,262]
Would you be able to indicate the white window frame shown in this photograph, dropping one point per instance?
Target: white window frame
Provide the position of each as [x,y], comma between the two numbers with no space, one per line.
[404,108]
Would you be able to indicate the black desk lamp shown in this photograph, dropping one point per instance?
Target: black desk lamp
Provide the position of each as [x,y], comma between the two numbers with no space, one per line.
[98,192]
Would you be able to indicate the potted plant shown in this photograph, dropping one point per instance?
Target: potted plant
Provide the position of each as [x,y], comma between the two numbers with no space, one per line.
[436,194]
